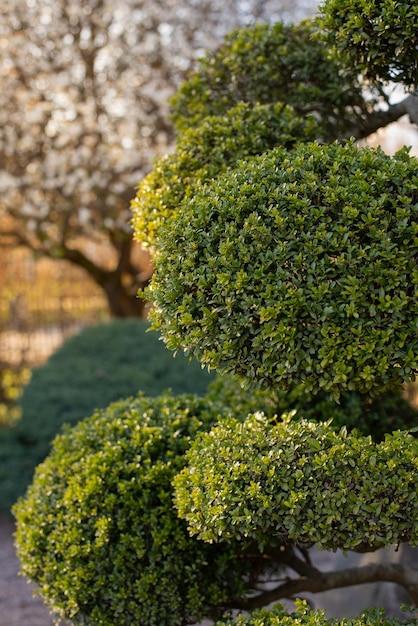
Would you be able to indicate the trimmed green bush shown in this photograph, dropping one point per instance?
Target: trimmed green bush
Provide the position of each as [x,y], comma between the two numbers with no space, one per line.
[304,616]
[99,365]
[204,152]
[300,482]
[297,267]
[98,532]
[371,416]
[378,37]
[273,63]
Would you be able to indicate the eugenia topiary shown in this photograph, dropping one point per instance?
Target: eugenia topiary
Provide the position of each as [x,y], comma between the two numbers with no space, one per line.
[98,532]
[300,482]
[204,152]
[273,63]
[297,267]
[375,416]
[97,366]
[378,37]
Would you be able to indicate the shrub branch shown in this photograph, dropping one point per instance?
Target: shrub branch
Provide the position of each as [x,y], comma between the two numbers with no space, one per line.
[319,581]
[379,119]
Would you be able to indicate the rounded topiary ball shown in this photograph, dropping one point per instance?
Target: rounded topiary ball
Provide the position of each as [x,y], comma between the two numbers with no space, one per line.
[299,482]
[98,531]
[378,37]
[297,267]
[273,63]
[204,152]
[97,366]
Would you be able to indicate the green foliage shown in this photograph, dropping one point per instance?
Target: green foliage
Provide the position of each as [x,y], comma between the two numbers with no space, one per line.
[273,63]
[98,532]
[371,416]
[300,482]
[378,37]
[303,616]
[203,152]
[98,366]
[297,267]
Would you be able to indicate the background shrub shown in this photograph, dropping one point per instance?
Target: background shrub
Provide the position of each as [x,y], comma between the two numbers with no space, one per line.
[300,482]
[371,416]
[378,37]
[98,532]
[303,616]
[203,152]
[297,267]
[273,63]
[98,366]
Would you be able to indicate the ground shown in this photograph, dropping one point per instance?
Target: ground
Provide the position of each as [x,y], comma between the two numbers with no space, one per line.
[18,606]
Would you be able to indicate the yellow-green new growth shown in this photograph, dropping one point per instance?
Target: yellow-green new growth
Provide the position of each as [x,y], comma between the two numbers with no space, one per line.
[204,152]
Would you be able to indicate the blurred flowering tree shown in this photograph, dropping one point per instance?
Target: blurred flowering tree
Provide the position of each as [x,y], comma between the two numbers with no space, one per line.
[83,111]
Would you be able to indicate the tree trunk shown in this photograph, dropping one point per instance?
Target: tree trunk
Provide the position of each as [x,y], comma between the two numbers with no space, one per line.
[122,302]
[120,285]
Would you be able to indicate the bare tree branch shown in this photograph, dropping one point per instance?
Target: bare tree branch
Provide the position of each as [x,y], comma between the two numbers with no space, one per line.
[379,119]
[77,257]
[325,581]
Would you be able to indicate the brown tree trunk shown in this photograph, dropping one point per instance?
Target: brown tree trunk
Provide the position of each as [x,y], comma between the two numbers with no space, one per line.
[121,300]
[121,285]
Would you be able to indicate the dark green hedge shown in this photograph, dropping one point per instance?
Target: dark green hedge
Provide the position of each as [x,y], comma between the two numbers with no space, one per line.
[371,416]
[99,365]
[267,64]
[297,267]
[377,37]
[204,152]
[304,616]
[300,482]
[98,532]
